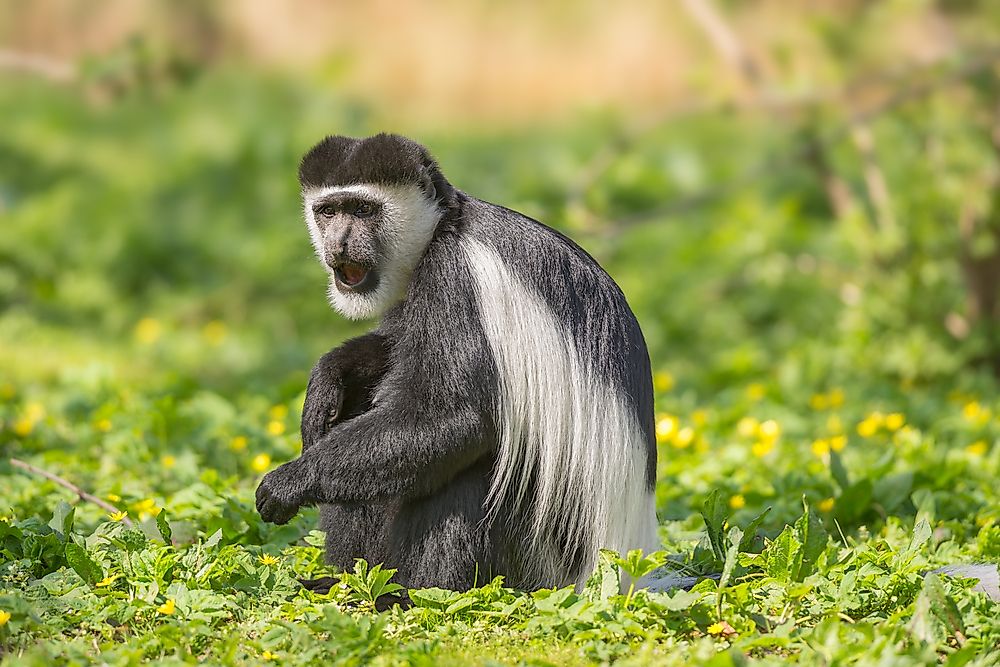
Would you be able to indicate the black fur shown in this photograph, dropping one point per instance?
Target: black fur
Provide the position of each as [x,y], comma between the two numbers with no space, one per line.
[419,457]
[386,159]
[341,387]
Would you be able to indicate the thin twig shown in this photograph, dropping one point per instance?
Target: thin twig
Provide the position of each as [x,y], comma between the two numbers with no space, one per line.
[724,40]
[83,495]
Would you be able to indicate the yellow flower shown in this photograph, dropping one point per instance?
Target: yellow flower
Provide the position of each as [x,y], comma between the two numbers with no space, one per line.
[107,581]
[214,332]
[769,430]
[275,427]
[747,427]
[663,381]
[146,508]
[835,398]
[34,411]
[825,505]
[23,427]
[4,617]
[267,655]
[684,437]
[113,497]
[838,442]
[868,427]
[103,425]
[819,402]
[762,448]
[167,607]
[699,417]
[894,421]
[279,411]
[260,463]
[118,516]
[267,559]
[716,629]
[238,444]
[737,501]
[666,427]
[756,391]
[821,447]
[148,330]
[971,410]
[978,448]
[168,461]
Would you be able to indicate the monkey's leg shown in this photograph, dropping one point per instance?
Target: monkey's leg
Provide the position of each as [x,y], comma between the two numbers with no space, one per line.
[443,541]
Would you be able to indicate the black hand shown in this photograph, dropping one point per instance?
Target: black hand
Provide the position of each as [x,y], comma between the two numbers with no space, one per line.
[284,490]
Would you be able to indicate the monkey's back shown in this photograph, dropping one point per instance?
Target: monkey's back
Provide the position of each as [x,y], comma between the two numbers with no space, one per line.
[576,452]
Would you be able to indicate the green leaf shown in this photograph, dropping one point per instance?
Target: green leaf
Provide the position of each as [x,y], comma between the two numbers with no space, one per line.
[606,578]
[921,533]
[163,526]
[715,511]
[854,501]
[62,519]
[213,540]
[779,556]
[82,564]
[369,584]
[461,604]
[813,537]
[433,598]
[735,539]
[750,532]
[923,500]
[893,490]
[638,566]
[935,615]
[838,471]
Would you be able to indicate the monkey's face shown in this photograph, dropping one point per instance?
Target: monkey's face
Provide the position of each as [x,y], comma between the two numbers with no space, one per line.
[348,225]
[369,238]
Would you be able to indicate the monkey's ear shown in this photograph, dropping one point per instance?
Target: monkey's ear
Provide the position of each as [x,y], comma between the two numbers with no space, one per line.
[435,185]
[426,181]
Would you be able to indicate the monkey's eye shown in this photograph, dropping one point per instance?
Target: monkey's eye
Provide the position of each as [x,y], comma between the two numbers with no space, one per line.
[326,211]
[364,209]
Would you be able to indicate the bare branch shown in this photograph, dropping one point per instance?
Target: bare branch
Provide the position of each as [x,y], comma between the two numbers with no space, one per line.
[723,39]
[83,495]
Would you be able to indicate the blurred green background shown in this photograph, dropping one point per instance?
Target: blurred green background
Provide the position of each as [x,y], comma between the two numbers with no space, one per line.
[796,199]
[799,199]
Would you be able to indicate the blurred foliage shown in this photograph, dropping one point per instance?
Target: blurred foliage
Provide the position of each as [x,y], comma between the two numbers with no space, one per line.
[816,278]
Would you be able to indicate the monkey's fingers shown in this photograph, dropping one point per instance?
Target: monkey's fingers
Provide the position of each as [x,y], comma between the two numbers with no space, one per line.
[272,509]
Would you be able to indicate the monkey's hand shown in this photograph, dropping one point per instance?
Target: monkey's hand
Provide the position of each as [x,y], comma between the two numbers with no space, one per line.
[286,489]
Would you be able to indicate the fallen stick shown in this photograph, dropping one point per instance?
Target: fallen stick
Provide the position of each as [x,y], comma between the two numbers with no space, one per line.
[83,495]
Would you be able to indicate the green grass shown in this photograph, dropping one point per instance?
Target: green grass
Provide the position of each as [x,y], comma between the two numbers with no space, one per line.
[161,309]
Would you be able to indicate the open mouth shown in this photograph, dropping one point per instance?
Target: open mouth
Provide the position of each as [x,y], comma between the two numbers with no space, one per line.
[352,276]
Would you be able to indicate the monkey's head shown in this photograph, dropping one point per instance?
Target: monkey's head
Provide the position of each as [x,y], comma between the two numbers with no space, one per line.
[372,206]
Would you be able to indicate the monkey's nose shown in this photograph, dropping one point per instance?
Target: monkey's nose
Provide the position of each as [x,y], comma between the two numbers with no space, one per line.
[334,256]
[335,248]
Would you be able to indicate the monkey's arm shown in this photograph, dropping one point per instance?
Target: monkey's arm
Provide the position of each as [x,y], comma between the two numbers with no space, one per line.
[341,385]
[432,420]
[396,449]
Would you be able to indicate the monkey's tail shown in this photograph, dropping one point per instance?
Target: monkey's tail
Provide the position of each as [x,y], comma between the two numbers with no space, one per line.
[987,576]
